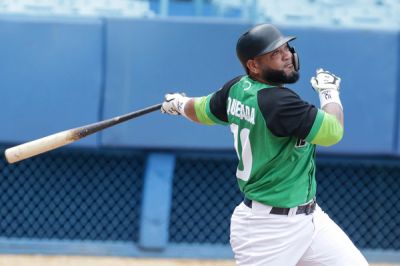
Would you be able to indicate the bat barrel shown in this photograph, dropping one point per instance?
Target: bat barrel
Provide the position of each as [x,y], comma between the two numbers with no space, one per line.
[35,147]
[51,142]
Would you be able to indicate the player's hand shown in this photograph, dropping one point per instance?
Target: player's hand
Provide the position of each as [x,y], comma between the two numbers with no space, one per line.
[174,103]
[325,80]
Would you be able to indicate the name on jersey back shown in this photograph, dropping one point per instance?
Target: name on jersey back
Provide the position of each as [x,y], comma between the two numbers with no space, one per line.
[240,110]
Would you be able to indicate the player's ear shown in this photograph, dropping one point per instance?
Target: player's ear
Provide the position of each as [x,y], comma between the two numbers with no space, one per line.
[252,66]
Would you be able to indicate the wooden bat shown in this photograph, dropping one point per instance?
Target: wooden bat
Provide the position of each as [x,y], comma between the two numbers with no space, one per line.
[56,140]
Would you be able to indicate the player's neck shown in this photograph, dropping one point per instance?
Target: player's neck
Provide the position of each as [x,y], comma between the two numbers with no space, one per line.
[261,80]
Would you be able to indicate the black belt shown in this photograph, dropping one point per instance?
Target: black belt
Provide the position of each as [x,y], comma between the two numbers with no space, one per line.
[307,209]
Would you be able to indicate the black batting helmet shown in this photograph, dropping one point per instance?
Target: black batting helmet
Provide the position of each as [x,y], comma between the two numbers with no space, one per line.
[262,39]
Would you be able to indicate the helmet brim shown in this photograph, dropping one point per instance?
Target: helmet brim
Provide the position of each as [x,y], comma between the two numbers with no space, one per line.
[276,44]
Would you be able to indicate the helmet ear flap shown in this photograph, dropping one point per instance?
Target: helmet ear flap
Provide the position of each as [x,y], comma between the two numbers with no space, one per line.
[296,60]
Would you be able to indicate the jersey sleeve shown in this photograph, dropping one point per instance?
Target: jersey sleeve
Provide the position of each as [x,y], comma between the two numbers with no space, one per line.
[286,114]
[326,130]
[211,109]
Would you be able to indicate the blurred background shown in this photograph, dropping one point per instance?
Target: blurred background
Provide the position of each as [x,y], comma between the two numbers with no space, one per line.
[159,186]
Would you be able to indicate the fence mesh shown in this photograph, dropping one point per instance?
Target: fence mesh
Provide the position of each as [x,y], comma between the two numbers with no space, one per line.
[205,193]
[96,195]
[72,196]
[361,196]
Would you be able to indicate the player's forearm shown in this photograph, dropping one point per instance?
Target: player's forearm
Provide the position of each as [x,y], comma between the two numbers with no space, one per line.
[336,110]
[327,86]
[190,111]
[326,130]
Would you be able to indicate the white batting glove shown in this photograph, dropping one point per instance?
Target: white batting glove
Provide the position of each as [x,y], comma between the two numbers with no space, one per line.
[174,104]
[327,85]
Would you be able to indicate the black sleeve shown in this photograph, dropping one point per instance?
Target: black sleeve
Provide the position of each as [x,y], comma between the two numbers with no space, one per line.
[219,99]
[285,113]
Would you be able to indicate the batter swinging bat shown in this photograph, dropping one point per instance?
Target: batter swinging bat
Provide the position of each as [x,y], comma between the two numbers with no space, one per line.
[51,142]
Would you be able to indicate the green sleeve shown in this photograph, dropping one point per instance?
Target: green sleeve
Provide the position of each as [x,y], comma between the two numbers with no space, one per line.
[203,112]
[200,109]
[326,130]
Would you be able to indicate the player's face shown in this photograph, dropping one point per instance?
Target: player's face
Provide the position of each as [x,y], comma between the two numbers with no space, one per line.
[277,67]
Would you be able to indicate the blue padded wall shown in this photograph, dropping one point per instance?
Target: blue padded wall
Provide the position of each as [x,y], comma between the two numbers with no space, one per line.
[53,72]
[367,62]
[398,94]
[51,75]
[148,58]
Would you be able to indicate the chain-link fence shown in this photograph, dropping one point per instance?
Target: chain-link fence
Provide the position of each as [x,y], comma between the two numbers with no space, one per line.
[361,196]
[96,195]
[72,196]
[205,193]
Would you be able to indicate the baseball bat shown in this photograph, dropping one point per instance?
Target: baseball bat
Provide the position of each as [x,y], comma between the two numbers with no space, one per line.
[56,140]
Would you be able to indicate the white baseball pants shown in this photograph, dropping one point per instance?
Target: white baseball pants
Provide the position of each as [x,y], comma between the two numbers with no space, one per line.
[262,239]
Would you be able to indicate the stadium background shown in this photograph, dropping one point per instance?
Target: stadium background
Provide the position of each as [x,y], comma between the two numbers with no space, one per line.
[161,187]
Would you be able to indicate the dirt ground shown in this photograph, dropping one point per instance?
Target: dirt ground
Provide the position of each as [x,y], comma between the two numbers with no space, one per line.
[39,260]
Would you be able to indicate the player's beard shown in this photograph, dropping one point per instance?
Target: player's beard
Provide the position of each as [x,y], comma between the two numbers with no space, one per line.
[279,76]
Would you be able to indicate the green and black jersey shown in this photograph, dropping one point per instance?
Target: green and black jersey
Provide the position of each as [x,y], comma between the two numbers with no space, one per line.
[274,133]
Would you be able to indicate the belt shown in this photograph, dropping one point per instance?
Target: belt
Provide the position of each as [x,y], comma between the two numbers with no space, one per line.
[306,209]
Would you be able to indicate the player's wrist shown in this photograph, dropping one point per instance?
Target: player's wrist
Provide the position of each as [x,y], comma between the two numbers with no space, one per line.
[180,105]
[329,96]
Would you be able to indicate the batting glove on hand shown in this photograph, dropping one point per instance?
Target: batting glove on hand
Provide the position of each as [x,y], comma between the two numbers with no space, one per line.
[174,104]
[325,80]
[327,85]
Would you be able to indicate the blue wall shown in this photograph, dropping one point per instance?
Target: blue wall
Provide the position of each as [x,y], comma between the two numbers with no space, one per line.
[146,59]
[62,73]
[368,63]
[51,73]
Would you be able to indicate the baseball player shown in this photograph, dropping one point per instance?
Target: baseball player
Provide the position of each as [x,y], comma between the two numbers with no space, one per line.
[275,134]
